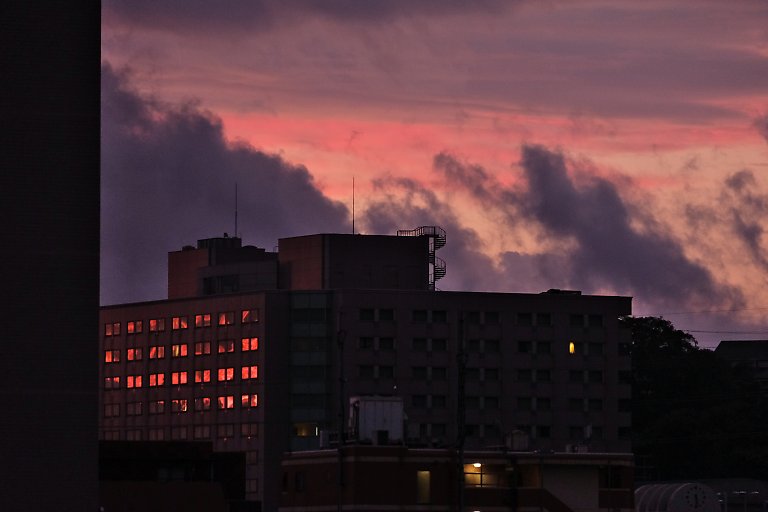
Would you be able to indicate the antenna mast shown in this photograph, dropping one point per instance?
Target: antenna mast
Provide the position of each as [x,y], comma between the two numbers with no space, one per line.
[235,208]
[353,205]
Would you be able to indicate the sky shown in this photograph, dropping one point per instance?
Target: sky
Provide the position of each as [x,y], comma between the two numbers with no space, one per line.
[614,147]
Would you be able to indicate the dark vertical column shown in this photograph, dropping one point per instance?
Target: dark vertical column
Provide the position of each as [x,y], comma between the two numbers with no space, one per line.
[49,206]
[461,367]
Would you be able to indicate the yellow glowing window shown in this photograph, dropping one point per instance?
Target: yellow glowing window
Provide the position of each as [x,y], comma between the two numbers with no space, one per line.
[248,401]
[249,372]
[571,348]
[249,344]
[179,350]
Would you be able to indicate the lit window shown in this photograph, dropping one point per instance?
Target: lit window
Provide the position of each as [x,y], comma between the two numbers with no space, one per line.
[203,320]
[249,344]
[249,315]
[157,325]
[179,322]
[156,379]
[133,409]
[483,475]
[571,348]
[133,381]
[111,382]
[248,401]
[134,354]
[179,405]
[111,410]
[157,407]
[179,350]
[226,318]
[423,486]
[178,378]
[226,401]
[156,352]
[226,374]
[249,372]
[111,356]
[226,346]
[135,327]
[112,329]
[202,376]
[203,403]
[202,348]
[202,432]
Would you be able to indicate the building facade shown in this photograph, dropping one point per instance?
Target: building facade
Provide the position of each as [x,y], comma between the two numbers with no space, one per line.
[270,369]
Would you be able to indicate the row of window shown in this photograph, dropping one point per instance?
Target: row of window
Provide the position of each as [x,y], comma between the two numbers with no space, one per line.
[490,346]
[575,432]
[200,348]
[366,371]
[223,431]
[179,378]
[480,317]
[182,405]
[182,322]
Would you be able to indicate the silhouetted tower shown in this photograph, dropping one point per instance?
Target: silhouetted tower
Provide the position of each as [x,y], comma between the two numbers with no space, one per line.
[437,240]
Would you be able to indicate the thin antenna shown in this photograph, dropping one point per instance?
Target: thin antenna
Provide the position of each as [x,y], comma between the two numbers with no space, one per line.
[235,208]
[353,205]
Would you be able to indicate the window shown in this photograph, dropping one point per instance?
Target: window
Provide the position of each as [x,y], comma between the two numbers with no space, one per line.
[226,318]
[202,348]
[178,433]
[249,401]
[203,403]
[419,400]
[439,373]
[576,376]
[249,372]
[226,401]
[419,372]
[225,431]
[156,379]
[543,347]
[543,319]
[135,327]
[595,376]
[366,315]
[249,430]
[595,320]
[483,475]
[157,407]
[133,381]
[595,349]
[576,432]
[386,315]
[134,354]
[156,434]
[543,404]
[179,322]
[133,409]
[625,377]
[111,410]
[438,401]
[419,344]
[386,344]
[440,316]
[423,487]
[179,350]
[543,376]
[491,402]
[524,319]
[365,371]
[225,346]
[472,374]
[203,320]
[111,356]
[386,372]
[111,382]
[365,343]
[133,435]
[524,376]
[249,316]
[179,405]
[112,329]
[157,352]
[595,404]
[625,405]
[543,431]
[226,374]
[491,317]
[178,378]
[201,432]
[524,403]
[577,320]
[524,347]
[576,404]
[439,345]
[624,349]
[248,344]
[156,324]
[473,317]
[420,315]
[575,347]
[473,345]
[491,346]
[625,432]
[202,376]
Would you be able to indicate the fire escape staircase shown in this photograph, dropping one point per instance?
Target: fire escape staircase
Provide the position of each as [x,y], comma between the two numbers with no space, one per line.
[437,240]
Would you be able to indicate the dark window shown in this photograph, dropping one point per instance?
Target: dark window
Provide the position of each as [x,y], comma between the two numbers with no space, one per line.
[543,347]
[625,432]
[524,375]
[543,431]
[595,320]
[577,320]
[625,405]
[491,317]
[419,400]
[366,315]
[472,374]
[625,377]
[576,432]
[473,317]
[439,345]
[543,404]
[491,402]
[524,403]
[595,349]
[438,401]
[473,345]
[543,319]
[419,372]
[440,316]
[576,376]
[420,315]
[472,402]
[595,404]
[366,343]
[595,376]
[365,371]
[624,349]
[439,373]
[419,344]
[576,404]
[543,376]
[439,429]
[492,346]
[491,374]
[386,372]
[386,344]
[524,319]
[386,315]
[524,347]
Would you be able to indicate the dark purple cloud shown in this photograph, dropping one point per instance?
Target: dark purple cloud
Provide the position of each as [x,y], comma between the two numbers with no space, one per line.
[599,247]
[749,210]
[761,124]
[168,179]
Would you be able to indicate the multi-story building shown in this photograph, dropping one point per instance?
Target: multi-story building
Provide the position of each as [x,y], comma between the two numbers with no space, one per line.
[249,352]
